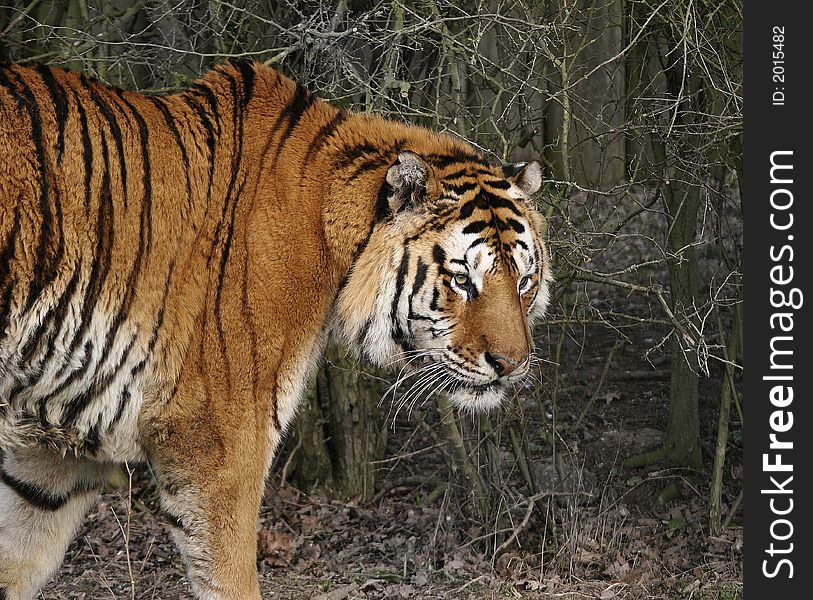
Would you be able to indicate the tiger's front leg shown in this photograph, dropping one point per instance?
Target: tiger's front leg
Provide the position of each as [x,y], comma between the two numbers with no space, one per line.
[43,499]
[211,476]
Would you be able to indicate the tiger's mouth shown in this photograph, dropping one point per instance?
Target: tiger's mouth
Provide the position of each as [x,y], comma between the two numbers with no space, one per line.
[478,398]
[482,387]
[473,395]
[474,392]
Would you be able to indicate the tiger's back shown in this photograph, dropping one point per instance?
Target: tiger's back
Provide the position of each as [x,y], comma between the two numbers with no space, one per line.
[118,214]
[89,243]
[171,266]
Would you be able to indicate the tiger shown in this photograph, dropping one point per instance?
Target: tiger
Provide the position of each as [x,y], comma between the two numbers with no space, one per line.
[172,266]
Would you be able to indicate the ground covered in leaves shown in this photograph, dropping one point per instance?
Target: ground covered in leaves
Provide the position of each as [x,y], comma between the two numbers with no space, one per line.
[604,537]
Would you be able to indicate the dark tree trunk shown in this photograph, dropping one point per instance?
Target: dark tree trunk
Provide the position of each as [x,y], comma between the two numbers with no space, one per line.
[682,443]
[340,430]
[677,156]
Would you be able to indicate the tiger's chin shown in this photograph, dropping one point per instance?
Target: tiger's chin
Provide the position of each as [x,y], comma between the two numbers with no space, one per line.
[478,399]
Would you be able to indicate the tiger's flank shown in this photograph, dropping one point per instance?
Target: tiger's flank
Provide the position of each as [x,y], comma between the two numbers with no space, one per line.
[170,269]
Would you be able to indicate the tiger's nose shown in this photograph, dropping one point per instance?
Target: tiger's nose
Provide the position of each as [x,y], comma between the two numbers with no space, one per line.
[504,365]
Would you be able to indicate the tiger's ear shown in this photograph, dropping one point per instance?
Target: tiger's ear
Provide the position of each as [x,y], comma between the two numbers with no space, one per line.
[526,176]
[408,179]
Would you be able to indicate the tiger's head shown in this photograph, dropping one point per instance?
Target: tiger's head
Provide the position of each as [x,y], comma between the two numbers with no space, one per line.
[452,277]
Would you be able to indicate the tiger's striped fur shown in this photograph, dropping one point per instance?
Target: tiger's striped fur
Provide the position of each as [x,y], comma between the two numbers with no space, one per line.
[170,267]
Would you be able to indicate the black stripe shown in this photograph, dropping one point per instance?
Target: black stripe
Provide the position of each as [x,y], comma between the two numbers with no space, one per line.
[461,188]
[145,238]
[361,337]
[100,266]
[231,200]
[227,244]
[498,222]
[124,400]
[12,89]
[113,123]
[12,396]
[420,276]
[487,201]
[456,174]
[99,386]
[87,154]
[34,494]
[500,202]
[237,156]
[420,279]
[144,232]
[382,203]
[533,298]
[217,241]
[45,266]
[500,184]
[302,100]
[321,138]
[58,320]
[221,277]
[54,321]
[433,305]
[5,308]
[515,225]
[76,374]
[159,323]
[248,317]
[60,101]
[246,69]
[204,90]
[92,443]
[468,208]
[300,97]
[79,403]
[441,220]
[368,165]
[455,156]
[210,138]
[397,331]
[160,104]
[475,227]
[353,153]
[5,270]
[356,253]
[439,254]
[144,132]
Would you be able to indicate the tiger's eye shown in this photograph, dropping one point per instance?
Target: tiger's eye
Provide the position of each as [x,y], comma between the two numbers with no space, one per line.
[461,279]
[523,283]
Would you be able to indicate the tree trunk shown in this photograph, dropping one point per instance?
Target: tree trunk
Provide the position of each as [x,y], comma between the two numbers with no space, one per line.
[677,156]
[340,431]
[682,443]
[682,200]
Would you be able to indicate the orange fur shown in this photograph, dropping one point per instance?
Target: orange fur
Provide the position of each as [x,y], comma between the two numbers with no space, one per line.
[170,267]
